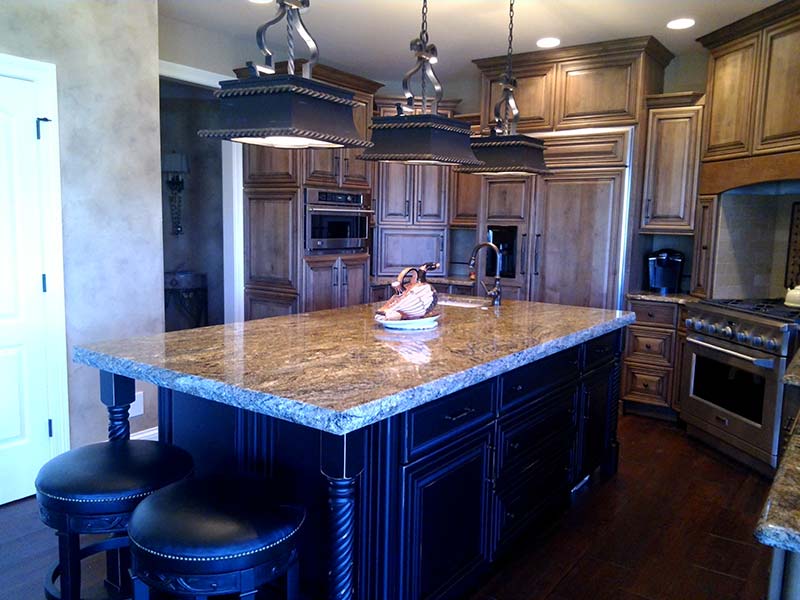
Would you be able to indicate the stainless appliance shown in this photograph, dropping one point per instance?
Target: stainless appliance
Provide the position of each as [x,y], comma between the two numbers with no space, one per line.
[664,271]
[734,362]
[336,220]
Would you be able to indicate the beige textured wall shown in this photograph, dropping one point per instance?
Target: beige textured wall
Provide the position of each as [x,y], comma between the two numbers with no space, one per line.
[106,55]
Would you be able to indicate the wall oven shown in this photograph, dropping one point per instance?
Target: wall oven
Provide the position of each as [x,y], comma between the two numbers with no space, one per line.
[336,220]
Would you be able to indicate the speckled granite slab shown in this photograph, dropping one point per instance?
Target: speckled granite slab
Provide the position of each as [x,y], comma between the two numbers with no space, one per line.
[338,370]
[779,525]
[670,298]
[792,374]
[433,280]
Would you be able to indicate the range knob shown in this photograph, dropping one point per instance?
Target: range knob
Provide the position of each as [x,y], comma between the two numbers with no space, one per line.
[743,337]
[757,341]
[771,344]
[711,328]
[689,323]
[727,332]
[698,325]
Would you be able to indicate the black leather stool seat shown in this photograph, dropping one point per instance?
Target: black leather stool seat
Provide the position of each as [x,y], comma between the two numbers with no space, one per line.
[212,526]
[109,477]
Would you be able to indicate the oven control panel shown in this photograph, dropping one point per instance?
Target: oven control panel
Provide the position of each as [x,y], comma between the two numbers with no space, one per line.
[753,332]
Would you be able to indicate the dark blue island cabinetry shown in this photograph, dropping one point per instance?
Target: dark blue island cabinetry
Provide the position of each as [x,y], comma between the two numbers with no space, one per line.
[439,491]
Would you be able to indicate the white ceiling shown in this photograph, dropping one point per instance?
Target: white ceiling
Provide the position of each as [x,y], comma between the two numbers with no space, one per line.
[370,37]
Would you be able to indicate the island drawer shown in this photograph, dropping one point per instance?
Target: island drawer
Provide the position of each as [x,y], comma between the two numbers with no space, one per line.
[602,350]
[437,422]
[538,377]
[650,345]
[654,313]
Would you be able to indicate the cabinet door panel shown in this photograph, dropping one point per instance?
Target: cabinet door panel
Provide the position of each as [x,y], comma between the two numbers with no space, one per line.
[322,167]
[534,95]
[356,173]
[704,242]
[394,194]
[651,385]
[465,198]
[731,87]
[321,281]
[446,517]
[271,238]
[578,226]
[430,194]
[596,429]
[260,304]
[400,248]
[777,126]
[271,166]
[597,90]
[671,165]
[508,199]
[354,275]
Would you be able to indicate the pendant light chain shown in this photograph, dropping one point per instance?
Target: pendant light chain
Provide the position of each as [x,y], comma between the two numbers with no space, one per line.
[510,55]
[423,36]
[290,41]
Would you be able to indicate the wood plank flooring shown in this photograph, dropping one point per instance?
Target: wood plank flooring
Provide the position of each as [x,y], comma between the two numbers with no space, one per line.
[676,523]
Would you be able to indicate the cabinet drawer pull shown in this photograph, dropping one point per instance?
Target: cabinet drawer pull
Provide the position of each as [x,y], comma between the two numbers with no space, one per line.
[722,420]
[510,516]
[408,208]
[651,315]
[518,387]
[646,385]
[648,346]
[514,445]
[468,410]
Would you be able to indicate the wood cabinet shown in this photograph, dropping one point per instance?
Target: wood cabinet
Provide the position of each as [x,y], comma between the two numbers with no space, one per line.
[598,423]
[576,240]
[412,194]
[593,85]
[260,304]
[400,247]
[672,162]
[651,367]
[508,199]
[704,246]
[753,85]
[331,281]
[271,238]
[465,199]
[270,166]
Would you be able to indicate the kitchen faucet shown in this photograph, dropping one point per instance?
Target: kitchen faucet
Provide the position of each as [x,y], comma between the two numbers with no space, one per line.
[493,293]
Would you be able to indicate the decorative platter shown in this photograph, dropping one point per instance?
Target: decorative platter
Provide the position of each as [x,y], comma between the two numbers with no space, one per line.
[413,324]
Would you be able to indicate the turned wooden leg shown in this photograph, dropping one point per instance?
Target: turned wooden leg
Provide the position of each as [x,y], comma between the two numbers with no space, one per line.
[342,504]
[70,561]
[117,393]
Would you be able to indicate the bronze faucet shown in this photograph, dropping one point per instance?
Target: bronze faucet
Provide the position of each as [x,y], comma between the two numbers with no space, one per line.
[493,293]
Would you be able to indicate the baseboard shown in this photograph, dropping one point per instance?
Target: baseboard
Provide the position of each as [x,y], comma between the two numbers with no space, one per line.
[146,434]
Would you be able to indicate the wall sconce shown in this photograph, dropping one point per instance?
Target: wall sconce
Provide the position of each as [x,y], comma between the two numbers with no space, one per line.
[175,166]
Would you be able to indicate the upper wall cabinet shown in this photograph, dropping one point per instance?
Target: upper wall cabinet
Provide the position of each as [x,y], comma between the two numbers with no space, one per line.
[753,85]
[270,167]
[599,84]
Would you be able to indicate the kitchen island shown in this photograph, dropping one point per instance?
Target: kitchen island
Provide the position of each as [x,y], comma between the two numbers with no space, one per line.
[420,457]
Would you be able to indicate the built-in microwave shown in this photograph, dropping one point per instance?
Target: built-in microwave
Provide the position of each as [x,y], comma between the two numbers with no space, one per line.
[336,220]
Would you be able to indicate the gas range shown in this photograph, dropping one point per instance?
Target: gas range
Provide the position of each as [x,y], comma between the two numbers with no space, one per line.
[767,325]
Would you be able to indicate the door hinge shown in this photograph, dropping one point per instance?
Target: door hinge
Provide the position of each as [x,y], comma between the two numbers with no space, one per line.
[39,121]
[44,282]
[49,427]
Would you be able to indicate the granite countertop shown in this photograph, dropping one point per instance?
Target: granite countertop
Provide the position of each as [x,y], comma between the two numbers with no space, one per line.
[779,525]
[792,374]
[433,280]
[338,370]
[653,297]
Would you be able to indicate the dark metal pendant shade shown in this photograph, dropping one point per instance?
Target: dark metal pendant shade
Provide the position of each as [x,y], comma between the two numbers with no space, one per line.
[507,154]
[285,111]
[425,138]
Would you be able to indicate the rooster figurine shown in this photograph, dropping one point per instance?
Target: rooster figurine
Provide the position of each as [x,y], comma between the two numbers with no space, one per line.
[414,299]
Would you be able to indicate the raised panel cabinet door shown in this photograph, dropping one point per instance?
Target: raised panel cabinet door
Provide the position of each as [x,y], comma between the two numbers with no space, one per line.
[321,282]
[594,427]
[446,512]
[260,304]
[354,279]
[271,231]
[704,242]
[508,199]
[671,167]
[777,126]
[465,199]
[597,91]
[355,173]
[270,166]
[535,94]
[405,247]
[394,194]
[730,99]
[430,194]
[322,167]
[577,238]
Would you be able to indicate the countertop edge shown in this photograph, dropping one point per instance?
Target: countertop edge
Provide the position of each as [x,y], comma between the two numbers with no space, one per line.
[682,299]
[328,420]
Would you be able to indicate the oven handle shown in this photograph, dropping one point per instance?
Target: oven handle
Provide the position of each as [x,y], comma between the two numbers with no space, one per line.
[766,363]
[359,211]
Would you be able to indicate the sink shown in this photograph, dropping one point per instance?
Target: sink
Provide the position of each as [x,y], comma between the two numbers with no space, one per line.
[463,302]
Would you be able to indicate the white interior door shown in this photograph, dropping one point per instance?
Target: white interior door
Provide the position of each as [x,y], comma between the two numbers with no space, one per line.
[25,430]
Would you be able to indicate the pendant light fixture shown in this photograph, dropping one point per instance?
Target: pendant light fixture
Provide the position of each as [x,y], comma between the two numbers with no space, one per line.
[285,111]
[426,138]
[503,151]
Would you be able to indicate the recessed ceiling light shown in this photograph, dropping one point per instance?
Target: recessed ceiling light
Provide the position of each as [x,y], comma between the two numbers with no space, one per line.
[548,42]
[683,23]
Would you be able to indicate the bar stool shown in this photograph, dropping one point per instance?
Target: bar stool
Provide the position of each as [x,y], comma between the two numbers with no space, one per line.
[94,489]
[208,537]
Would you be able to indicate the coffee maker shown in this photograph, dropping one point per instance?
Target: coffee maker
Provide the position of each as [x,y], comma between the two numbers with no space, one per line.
[664,271]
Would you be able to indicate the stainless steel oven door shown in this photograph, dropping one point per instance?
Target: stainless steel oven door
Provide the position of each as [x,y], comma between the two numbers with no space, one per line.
[734,392]
[329,228]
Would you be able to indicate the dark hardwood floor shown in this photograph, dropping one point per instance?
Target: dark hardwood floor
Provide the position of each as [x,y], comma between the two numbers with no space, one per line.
[676,523]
